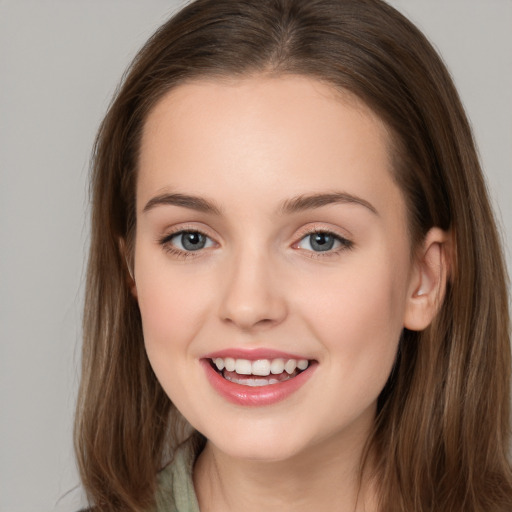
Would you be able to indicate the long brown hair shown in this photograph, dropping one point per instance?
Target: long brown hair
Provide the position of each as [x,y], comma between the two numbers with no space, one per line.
[442,429]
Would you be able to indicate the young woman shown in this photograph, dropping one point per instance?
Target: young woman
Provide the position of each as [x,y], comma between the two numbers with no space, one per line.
[296,294]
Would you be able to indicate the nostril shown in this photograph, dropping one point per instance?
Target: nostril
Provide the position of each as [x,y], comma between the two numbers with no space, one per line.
[251,298]
[248,321]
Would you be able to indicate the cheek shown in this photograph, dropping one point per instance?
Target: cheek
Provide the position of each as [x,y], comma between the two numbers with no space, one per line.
[358,317]
[362,300]
[172,307]
[172,304]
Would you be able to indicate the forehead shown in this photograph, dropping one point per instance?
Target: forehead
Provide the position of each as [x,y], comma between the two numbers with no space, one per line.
[289,134]
[296,103]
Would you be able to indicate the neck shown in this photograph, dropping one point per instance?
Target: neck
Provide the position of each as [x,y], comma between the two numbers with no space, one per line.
[326,474]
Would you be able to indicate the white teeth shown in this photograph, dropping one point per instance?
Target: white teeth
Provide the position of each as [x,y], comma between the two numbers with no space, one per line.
[302,364]
[290,366]
[252,382]
[277,366]
[243,367]
[229,364]
[260,367]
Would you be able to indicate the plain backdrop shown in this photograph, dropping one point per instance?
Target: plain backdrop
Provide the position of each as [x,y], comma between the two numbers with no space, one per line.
[60,62]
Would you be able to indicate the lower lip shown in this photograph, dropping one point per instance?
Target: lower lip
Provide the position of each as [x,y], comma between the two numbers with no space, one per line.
[259,395]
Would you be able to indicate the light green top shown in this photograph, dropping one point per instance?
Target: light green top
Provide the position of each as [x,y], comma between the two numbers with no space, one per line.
[175,491]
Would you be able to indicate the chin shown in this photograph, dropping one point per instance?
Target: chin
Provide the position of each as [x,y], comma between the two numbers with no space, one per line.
[262,443]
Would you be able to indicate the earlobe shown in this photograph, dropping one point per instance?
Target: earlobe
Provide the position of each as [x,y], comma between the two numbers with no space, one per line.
[130,279]
[428,280]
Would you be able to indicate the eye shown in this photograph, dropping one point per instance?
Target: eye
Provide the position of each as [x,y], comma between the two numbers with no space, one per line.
[187,241]
[323,241]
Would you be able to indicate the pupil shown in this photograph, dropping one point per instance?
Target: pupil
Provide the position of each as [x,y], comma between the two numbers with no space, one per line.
[321,241]
[193,241]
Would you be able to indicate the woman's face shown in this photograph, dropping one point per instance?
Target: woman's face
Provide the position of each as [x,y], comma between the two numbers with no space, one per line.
[271,236]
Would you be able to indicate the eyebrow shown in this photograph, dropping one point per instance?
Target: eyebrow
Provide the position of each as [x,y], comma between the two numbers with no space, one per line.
[308,202]
[293,205]
[186,201]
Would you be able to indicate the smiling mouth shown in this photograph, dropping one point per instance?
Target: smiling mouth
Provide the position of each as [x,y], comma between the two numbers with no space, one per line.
[261,372]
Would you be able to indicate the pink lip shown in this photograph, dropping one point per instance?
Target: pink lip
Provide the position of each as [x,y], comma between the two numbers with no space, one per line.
[253,354]
[255,396]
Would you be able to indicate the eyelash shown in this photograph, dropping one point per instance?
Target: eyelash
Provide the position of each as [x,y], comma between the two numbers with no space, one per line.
[344,243]
[165,242]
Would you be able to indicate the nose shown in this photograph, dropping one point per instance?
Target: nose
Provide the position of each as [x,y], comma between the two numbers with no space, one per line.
[253,293]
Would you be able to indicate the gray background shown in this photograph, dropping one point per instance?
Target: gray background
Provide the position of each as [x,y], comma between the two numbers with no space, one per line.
[60,62]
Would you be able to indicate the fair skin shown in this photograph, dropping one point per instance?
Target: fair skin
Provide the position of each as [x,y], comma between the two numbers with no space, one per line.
[246,154]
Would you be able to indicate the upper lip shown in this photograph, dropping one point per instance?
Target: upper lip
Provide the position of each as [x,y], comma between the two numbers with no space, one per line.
[253,354]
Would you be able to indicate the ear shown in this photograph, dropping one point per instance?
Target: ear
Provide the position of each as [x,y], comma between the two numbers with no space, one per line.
[429,276]
[128,267]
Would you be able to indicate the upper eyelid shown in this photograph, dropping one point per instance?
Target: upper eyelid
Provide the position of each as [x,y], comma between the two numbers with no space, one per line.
[181,231]
[184,228]
[344,241]
[318,227]
[166,245]
[308,229]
